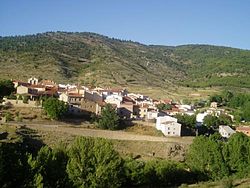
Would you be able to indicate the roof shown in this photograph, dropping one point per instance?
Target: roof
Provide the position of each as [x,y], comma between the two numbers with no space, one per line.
[227,129]
[243,128]
[47,82]
[167,123]
[127,103]
[168,101]
[22,83]
[143,105]
[127,99]
[75,95]
[36,86]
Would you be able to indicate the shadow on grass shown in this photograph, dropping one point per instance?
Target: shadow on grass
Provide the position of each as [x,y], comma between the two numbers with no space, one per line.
[31,139]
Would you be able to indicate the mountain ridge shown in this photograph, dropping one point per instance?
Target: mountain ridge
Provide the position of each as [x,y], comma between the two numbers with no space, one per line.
[91,58]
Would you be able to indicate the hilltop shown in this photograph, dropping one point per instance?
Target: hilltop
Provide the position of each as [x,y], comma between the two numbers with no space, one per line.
[94,59]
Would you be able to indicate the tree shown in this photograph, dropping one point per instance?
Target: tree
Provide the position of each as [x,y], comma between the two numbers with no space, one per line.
[134,172]
[216,98]
[163,106]
[54,108]
[246,111]
[211,121]
[14,171]
[224,119]
[49,168]
[6,88]
[186,120]
[227,96]
[109,118]
[236,152]
[205,157]
[94,163]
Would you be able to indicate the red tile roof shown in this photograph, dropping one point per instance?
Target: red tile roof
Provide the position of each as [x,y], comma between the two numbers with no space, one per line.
[243,128]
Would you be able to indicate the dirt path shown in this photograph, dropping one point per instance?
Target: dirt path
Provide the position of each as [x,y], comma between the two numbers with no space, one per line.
[117,135]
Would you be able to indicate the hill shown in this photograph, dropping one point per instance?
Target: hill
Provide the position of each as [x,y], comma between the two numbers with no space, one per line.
[93,59]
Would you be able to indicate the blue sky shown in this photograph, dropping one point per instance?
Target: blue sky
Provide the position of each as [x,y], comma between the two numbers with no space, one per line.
[165,22]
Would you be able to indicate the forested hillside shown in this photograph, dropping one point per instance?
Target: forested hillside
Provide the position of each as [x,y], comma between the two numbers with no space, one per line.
[94,59]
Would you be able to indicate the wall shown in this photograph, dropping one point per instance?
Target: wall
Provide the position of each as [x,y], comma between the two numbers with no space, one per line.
[21,90]
[19,103]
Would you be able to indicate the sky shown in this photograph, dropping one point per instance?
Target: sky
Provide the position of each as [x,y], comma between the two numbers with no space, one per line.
[159,22]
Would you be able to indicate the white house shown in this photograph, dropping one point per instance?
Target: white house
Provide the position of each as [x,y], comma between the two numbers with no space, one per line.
[153,114]
[168,126]
[114,99]
[226,131]
[33,81]
[185,107]
[200,117]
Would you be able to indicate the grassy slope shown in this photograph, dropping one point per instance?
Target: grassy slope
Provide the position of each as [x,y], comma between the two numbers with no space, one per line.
[94,59]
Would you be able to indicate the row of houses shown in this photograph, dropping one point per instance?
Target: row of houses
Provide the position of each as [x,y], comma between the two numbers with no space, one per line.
[84,100]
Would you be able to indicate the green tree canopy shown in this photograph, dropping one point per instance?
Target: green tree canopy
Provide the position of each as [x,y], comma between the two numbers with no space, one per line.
[109,118]
[6,88]
[49,168]
[94,163]
[216,98]
[205,156]
[246,111]
[163,106]
[186,120]
[225,119]
[211,121]
[236,152]
[14,170]
[54,108]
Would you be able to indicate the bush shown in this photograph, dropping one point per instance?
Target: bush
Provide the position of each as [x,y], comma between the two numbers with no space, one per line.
[54,108]
[8,116]
[25,99]
[109,118]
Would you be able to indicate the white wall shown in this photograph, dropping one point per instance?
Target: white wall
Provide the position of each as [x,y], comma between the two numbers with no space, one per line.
[170,129]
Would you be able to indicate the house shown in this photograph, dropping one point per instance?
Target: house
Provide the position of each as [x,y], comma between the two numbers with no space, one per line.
[19,83]
[140,111]
[33,81]
[168,126]
[152,114]
[213,104]
[200,117]
[89,107]
[126,109]
[244,129]
[71,98]
[79,105]
[143,110]
[32,93]
[226,131]
[114,99]
[39,88]
[185,107]
[107,92]
[173,111]
[48,83]
[93,96]
[167,101]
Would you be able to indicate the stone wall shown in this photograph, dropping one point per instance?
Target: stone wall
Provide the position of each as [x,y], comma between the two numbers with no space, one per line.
[20,103]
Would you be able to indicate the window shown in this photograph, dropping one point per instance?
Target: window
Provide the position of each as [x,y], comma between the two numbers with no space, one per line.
[168,132]
[173,132]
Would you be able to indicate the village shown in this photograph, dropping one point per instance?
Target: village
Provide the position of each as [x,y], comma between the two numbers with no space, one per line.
[88,101]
